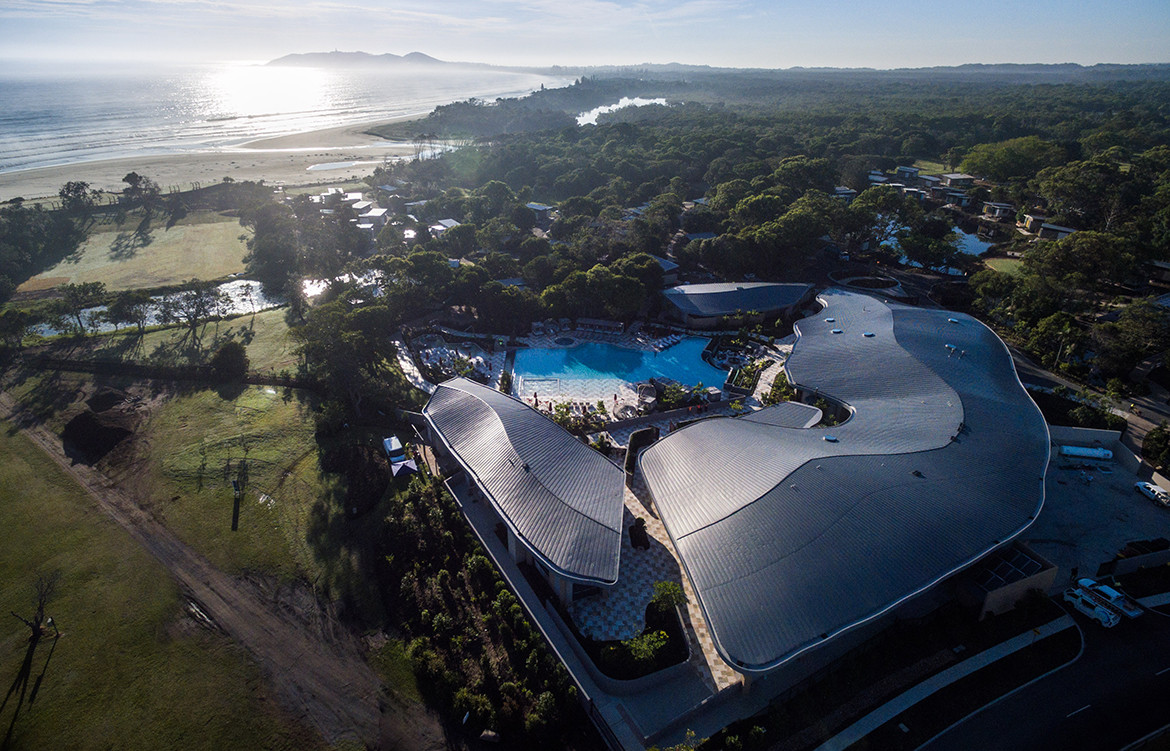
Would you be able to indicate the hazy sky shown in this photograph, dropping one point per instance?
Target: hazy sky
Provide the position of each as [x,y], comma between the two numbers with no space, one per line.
[743,33]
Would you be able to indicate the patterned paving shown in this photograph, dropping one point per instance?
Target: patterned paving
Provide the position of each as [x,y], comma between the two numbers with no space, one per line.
[619,613]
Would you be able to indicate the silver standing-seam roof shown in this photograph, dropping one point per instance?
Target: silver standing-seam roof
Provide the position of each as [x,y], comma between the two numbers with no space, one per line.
[558,495]
[728,298]
[791,536]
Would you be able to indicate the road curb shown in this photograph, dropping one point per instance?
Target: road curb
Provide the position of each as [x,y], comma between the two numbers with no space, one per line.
[939,681]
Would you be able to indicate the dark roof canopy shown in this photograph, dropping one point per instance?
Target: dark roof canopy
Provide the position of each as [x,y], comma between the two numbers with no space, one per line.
[728,298]
[793,535]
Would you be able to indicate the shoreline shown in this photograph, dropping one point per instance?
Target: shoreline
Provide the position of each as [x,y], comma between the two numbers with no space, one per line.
[274,159]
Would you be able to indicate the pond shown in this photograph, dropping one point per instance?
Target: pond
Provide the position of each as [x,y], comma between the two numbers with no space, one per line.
[590,117]
[241,296]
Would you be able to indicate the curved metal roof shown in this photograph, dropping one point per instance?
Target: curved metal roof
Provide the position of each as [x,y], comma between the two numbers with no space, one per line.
[728,298]
[558,495]
[790,538]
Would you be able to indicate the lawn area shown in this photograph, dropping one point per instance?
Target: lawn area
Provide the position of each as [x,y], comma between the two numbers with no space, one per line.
[1005,265]
[199,441]
[265,336]
[137,255]
[930,168]
[131,669]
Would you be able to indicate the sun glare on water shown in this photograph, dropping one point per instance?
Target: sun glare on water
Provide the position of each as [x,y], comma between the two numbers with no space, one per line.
[253,90]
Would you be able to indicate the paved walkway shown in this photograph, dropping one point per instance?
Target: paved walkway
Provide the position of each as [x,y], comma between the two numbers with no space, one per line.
[410,370]
[909,698]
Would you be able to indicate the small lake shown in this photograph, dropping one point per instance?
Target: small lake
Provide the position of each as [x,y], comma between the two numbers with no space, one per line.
[241,297]
[971,244]
[590,117]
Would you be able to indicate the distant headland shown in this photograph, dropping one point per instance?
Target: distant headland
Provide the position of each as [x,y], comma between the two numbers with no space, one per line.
[340,59]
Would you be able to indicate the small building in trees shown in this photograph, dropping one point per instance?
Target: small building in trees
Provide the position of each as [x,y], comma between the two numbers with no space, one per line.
[997,210]
[719,304]
[845,194]
[908,175]
[958,180]
[1054,231]
[929,181]
[560,503]
[375,216]
[543,214]
[441,226]
[1033,222]
[669,270]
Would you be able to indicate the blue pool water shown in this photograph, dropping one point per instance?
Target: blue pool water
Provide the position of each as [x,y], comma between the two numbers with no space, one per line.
[592,369]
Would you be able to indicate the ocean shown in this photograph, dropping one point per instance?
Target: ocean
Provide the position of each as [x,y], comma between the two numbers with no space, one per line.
[67,116]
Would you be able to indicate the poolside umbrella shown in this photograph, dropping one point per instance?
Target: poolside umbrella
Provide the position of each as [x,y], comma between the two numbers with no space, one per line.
[407,467]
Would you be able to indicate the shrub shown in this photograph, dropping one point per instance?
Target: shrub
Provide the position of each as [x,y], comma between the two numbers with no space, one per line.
[1156,446]
[668,595]
[230,361]
[645,648]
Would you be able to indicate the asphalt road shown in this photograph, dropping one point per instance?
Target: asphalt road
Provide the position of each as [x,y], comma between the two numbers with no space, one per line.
[1115,694]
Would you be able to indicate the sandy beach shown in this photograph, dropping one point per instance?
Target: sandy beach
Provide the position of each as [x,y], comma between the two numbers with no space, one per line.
[286,159]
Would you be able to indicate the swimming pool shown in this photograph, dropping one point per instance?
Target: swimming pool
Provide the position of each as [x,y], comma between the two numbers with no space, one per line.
[593,369]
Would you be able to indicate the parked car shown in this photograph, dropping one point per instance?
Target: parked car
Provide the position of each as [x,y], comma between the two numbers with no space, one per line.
[1090,606]
[1116,599]
[1155,493]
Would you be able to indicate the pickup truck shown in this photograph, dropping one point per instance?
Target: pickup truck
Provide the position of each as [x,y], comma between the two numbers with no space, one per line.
[1080,599]
[1106,594]
[1155,493]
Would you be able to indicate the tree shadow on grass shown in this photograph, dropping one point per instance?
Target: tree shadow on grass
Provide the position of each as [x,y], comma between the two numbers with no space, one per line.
[20,685]
[348,546]
[127,244]
[50,395]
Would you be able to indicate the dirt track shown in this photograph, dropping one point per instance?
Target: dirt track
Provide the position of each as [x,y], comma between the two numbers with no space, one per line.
[324,682]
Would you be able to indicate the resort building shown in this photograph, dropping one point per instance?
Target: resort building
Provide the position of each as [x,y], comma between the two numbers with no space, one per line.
[958,180]
[707,306]
[998,210]
[795,538]
[1054,231]
[560,502]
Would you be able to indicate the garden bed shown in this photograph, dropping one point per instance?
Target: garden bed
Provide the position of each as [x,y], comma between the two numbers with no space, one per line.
[1058,410]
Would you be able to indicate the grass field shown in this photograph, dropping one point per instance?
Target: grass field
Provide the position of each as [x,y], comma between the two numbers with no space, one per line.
[1005,265]
[265,336]
[204,245]
[131,670]
[197,443]
[930,168]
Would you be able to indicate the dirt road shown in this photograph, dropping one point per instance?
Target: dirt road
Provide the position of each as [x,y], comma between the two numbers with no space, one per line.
[323,681]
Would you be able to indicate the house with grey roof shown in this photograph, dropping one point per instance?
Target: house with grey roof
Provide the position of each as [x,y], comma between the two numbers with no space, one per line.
[708,306]
[559,501]
[796,538]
